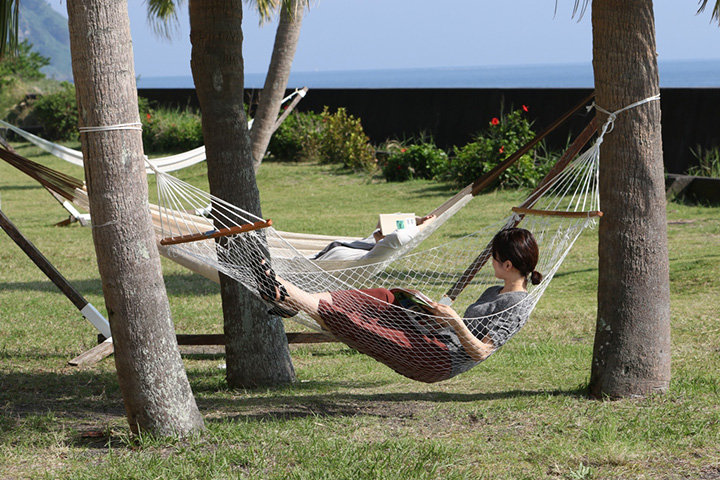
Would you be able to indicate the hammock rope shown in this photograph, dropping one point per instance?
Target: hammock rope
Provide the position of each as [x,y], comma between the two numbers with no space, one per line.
[110,128]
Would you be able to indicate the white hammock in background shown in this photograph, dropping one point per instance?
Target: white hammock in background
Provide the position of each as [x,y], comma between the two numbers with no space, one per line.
[166,164]
[169,163]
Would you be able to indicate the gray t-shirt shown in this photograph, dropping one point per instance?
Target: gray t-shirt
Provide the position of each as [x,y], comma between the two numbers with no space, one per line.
[498,327]
[480,321]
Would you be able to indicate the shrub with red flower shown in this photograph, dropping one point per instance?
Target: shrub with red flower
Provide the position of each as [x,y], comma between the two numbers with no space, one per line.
[504,135]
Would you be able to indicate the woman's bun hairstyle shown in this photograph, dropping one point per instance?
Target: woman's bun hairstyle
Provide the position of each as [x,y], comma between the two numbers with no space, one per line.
[519,246]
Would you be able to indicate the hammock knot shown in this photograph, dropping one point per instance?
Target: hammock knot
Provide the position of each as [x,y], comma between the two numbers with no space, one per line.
[612,116]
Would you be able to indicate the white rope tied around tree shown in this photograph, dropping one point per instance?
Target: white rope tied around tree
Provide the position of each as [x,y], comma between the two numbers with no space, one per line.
[109,128]
[612,116]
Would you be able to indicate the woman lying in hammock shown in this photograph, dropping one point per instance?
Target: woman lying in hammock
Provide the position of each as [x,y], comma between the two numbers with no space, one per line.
[428,347]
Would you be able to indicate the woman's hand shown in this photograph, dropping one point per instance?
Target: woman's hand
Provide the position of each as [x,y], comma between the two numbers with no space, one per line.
[377,235]
[444,314]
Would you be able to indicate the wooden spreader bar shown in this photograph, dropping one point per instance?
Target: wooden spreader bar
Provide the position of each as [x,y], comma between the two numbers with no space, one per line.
[223,232]
[556,213]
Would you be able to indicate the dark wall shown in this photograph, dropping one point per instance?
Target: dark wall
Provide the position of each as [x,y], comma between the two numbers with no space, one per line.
[452,116]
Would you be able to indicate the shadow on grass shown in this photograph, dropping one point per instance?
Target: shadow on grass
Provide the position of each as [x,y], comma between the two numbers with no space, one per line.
[176,284]
[381,405]
[575,272]
[85,399]
[21,187]
[436,190]
[73,395]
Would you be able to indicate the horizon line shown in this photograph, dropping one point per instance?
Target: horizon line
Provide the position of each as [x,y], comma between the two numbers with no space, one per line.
[450,68]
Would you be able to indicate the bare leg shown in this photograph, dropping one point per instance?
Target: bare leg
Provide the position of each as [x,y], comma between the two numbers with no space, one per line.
[304,301]
[288,296]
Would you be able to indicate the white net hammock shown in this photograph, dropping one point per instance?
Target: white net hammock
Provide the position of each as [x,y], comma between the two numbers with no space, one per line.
[169,163]
[405,339]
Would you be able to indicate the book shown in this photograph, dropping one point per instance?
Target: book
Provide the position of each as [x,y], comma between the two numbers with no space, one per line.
[412,299]
[389,222]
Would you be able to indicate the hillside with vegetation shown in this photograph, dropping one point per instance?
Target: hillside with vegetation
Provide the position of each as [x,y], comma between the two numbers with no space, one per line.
[47,31]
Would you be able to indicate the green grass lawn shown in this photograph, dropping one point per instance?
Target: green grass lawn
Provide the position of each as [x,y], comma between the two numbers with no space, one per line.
[521,414]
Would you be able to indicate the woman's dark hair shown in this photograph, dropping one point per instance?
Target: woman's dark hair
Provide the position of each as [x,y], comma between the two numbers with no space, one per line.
[519,246]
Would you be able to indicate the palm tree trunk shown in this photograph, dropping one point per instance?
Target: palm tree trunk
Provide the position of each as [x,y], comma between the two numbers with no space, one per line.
[632,341]
[256,349]
[151,374]
[286,40]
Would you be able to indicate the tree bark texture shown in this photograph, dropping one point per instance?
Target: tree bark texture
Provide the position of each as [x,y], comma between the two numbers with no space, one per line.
[286,40]
[631,354]
[152,378]
[257,351]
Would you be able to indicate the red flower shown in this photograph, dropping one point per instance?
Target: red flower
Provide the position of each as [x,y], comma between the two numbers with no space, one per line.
[525,108]
[403,150]
[148,116]
[495,121]
[502,149]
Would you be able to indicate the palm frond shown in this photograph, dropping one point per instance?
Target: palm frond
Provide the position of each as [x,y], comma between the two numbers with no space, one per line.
[292,6]
[716,10]
[162,16]
[9,13]
[267,9]
[580,5]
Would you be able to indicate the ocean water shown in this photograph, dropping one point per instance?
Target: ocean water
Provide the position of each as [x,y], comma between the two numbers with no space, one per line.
[673,74]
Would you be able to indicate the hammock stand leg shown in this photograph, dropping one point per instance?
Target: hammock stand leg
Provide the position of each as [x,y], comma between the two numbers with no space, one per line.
[4,143]
[106,348]
[74,215]
[86,308]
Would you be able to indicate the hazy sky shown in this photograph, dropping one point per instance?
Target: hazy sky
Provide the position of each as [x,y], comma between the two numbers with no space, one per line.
[386,34]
